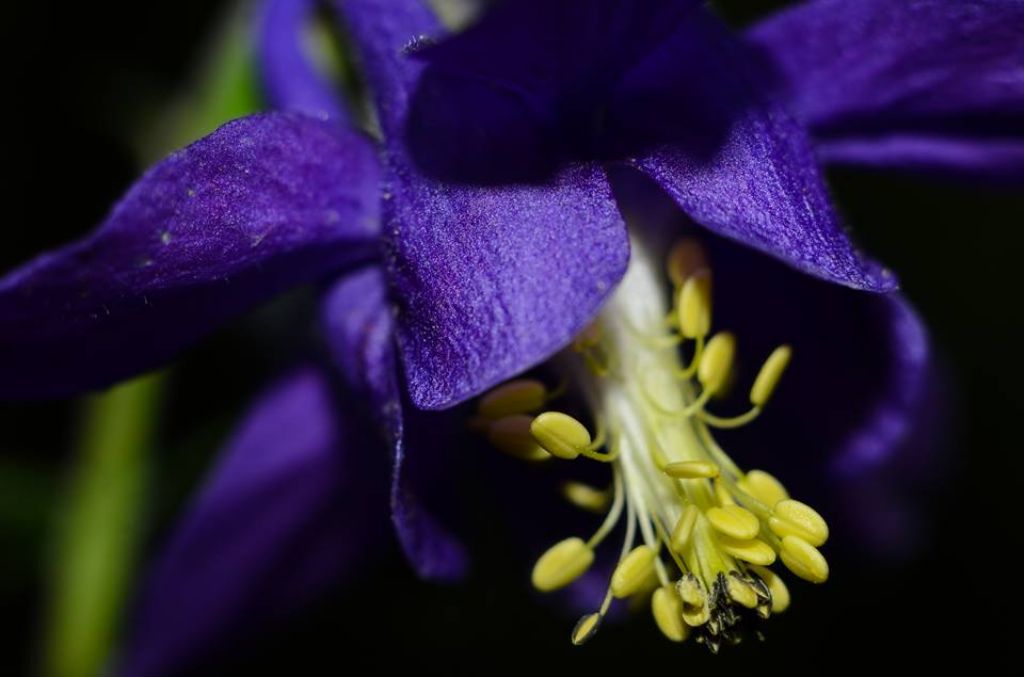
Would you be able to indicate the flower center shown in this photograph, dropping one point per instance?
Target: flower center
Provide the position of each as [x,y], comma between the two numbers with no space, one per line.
[699,533]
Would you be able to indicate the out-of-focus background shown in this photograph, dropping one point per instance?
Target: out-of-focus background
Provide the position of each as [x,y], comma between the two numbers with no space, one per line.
[94,91]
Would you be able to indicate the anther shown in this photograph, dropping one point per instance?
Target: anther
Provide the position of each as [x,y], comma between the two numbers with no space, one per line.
[683,531]
[776,587]
[735,521]
[740,591]
[668,613]
[763,487]
[684,259]
[586,627]
[562,564]
[521,396]
[586,497]
[512,435]
[692,470]
[694,307]
[716,361]
[768,377]
[752,550]
[793,518]
[695,607]
[633,571]
[560,434]
[803,559]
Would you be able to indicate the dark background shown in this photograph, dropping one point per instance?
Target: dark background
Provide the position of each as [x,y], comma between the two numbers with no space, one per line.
[82,78]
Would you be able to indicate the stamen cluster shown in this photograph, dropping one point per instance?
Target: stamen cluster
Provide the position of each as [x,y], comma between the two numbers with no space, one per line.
[699,533]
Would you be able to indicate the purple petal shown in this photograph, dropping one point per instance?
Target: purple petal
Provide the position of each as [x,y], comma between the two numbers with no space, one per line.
[739,165]
[295,504]
[998,160]
[930,68]
[263,203]
[290,77]
[358,322]
[490,280]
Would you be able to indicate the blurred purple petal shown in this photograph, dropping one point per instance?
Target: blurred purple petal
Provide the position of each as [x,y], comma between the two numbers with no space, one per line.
[360,330]
[928,68]
[263,203]
[290,76]
[756,180]
[996,160]
[296,503]
[491,280]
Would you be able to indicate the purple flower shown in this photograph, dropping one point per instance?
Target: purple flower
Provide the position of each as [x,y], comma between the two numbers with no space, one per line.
[483,234]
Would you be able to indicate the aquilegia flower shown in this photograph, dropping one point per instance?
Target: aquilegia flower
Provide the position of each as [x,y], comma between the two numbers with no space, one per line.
[502,245]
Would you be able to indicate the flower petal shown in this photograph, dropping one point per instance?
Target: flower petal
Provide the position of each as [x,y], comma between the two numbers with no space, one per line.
[999,160]
[263,203]
[934,68]
[360,329]
[739,165]
[291,508]
[489,280]
[290,77]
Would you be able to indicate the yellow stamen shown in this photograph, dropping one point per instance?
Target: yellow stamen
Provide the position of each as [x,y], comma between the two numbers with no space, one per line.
[694,308]
[763,487]
[741,592]
[560,434]
[521,396]
[586,627]
[776,587]
[768,377]
[716,362]
[793,518]
[586,497]
[803,559]
[562,564]
[685,259]
[668,613]
[735,521]
[683,531]
[512,435]
[691,470]
[722,493]
[633,571]
[751,550]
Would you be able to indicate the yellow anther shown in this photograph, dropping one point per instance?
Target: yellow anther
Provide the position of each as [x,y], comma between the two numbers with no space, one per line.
[793,518]
[751,550]
[562,564]
[512,435]
[683,531]
[695,607]
[521,396]
[803,559]
[632,571]
[668,613]
[694,309]
[777,588]
[691,470]
[560,434]
[735,521]
[741,592]
[586,497]
[763,487]
[586,627]
[684,259]
[716,362]
[768,377]
[691,591]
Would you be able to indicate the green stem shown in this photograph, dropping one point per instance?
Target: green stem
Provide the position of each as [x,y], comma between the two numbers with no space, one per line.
[99,527]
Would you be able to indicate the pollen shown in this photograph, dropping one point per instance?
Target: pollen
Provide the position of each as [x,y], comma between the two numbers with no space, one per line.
[699,534]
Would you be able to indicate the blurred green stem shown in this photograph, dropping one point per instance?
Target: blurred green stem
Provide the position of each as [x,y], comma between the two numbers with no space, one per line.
[99,528]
